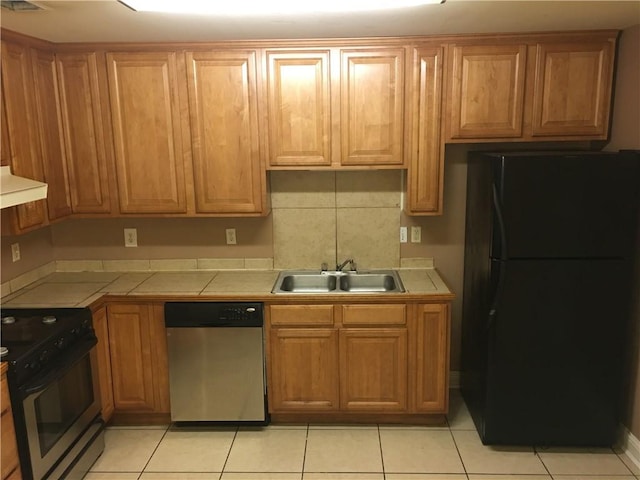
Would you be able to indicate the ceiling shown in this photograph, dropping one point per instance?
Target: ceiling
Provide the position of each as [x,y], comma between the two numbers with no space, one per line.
[110,21]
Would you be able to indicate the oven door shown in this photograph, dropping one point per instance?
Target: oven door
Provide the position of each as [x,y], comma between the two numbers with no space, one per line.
[60,405]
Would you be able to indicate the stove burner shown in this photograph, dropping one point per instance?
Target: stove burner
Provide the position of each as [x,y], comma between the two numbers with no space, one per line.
[4,351]
[8,320]
[49,319]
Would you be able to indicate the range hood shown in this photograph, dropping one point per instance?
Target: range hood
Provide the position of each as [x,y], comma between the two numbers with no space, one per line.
[16,190]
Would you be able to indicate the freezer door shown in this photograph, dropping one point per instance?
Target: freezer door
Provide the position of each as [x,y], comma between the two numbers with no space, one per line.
[554,353]
[574,206]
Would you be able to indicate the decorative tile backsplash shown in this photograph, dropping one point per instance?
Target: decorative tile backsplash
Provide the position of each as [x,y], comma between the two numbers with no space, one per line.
[325,216]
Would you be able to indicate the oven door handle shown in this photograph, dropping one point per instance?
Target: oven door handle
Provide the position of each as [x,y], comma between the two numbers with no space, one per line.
[70,358]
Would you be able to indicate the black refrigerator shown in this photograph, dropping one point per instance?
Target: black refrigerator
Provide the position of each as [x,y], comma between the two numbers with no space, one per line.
[549,245]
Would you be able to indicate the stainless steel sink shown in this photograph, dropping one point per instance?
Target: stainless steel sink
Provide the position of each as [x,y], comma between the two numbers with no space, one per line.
[372,281]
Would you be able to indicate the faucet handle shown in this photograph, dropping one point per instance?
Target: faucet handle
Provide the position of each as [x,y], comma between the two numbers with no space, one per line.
[324,267]
[354,267]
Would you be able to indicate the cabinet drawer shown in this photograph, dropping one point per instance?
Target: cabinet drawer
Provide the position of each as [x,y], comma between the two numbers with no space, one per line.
[301,315]
[374,314]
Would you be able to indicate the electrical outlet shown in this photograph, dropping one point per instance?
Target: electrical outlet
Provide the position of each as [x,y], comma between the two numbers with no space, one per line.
[130,237]
[403,234]
[15,252]
[416,234]
[231,236]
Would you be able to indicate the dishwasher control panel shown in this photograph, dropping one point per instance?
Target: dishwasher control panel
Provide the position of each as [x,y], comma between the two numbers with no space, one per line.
[213,314]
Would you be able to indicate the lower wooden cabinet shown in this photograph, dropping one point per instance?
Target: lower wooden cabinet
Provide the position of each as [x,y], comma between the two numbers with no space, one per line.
[104,362]
[358,359]
[9,462]
[139,362]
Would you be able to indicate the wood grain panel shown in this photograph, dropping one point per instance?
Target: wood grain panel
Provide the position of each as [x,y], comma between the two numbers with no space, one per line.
[84,131]
[147,131]
[9,462]
[299,109]
[305,315]
[25,156]
[374,314]
[572,89]
[488,91]
[372,107]
[104,362]
[373,369]
[426,167]
[228,173]
[432,382]
[304,369]
[49,117]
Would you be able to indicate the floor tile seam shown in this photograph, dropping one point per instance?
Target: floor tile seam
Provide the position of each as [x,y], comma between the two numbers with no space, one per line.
[154,452]
[304,453]
[455,444]
[544,465]
[226,460]
[381,453]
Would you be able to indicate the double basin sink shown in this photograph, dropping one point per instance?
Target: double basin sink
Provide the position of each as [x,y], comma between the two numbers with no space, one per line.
[313,282]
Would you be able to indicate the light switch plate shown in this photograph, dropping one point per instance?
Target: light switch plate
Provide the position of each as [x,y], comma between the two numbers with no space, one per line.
[15,252]
[403,234]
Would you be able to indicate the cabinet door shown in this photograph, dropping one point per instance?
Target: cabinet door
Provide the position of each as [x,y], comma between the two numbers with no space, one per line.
[22,135]
[104,362]
[432,366]
[304,369]
[299,108]
[487,91]
[9,462]
[372,107]
[147,132]
[228,171]
[139,365]
[426,167]
[573,89]
[84,131]
[373,369]
[49,118]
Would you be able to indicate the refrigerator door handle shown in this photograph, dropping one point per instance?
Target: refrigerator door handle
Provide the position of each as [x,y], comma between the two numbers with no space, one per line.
[502,261]
[497,206]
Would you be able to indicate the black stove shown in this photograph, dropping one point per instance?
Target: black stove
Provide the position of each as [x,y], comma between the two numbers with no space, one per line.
[32,339]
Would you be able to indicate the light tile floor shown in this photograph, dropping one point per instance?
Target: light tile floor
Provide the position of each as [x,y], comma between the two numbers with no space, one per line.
[320,452]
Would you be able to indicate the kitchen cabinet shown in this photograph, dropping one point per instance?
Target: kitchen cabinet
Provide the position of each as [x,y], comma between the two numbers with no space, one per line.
[139,362]
[147,129]
[572,89]
[22,139]
[228,166]
[299,107]
[531,88]
[87,139]
[336,107]
[49,118]
[303,352]
[9,463]
[426,167]
[432,357]
[487,94]
[104,362]
[354,359]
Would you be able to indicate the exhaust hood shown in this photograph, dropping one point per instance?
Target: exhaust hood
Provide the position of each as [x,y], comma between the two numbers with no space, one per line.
[16,190]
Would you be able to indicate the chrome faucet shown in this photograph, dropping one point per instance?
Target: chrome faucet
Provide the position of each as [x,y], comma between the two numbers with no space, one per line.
[340,266]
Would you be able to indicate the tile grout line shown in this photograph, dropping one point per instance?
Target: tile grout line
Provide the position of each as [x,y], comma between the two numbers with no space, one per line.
[233,440]
[464,467]
[384,472]
[154,451]
[304,455]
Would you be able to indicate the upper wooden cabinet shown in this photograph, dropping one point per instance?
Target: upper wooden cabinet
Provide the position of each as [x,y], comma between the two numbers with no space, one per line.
[228,168]
[487,94]
[426,166]
[572,88]
[81,86]
[21,133]
[49,118]
[299,107]
[336,107]
[531,88]
[148,137]
[372,107]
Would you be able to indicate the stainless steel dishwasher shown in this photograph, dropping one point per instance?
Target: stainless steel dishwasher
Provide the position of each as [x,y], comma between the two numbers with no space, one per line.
[216,362]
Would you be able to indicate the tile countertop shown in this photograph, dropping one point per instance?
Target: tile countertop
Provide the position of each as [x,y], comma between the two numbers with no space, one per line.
[81,289]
